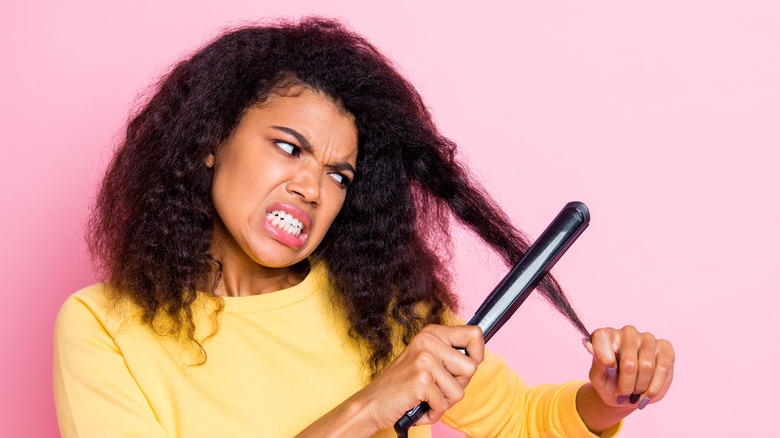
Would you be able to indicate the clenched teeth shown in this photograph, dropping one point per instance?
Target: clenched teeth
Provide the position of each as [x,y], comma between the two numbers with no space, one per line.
[286,222]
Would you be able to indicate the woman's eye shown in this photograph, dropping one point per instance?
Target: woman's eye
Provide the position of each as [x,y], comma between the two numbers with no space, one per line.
[340,178]
[288,148]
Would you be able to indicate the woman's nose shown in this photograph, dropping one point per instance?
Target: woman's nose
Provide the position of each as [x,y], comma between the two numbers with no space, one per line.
[306,183]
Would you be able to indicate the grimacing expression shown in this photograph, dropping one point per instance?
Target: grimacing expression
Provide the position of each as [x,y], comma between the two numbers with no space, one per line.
[281,178]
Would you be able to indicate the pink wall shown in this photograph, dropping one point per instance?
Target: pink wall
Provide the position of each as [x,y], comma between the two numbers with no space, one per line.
[661,116]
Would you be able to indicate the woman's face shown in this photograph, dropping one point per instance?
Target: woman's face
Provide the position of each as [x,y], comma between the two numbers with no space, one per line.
[281,179]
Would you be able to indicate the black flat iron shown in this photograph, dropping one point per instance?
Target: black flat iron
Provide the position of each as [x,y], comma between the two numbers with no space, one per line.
[518,284]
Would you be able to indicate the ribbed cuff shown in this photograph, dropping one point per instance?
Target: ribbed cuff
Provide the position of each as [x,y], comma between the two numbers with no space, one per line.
[569,420]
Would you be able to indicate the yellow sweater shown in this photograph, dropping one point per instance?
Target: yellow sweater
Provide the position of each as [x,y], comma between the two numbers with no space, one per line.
[278,362]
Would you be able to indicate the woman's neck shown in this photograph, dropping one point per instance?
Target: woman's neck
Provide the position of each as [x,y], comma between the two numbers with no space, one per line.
[236,281]
[241,276]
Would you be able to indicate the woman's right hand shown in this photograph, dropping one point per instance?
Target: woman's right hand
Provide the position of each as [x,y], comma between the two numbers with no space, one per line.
[428,370]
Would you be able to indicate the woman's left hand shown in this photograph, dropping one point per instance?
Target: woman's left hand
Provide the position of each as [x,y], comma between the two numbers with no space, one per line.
[630,368]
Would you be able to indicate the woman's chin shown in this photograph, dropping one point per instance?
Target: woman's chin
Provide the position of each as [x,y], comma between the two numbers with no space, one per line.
[278,255]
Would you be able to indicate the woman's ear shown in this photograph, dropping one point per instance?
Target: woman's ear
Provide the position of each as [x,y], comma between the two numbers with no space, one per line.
[210,161]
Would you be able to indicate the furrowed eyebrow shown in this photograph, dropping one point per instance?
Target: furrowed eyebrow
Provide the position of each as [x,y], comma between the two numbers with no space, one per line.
[343,166]
[307,146]
[301,139]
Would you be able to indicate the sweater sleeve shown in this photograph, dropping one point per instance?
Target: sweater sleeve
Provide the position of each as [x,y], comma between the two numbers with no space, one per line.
[95,393]
[499,404]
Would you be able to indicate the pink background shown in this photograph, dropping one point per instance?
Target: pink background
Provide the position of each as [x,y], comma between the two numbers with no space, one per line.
[662,116]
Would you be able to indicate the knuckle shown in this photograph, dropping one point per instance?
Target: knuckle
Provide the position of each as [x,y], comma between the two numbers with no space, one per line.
[458,395]
[425,338]
[422,379]
[600,334]
[648,338]
[629,328]
[426,332]
[471,368]
[429,328]
[426,359]
[666,345]
[628,366]
[646,365]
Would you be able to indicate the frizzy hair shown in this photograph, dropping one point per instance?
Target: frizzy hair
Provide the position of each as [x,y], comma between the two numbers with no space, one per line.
[151,227]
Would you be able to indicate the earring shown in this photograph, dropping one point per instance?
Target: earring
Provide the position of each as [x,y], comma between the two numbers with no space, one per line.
[210,161]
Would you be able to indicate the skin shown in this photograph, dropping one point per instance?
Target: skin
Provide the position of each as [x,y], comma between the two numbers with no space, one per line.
[297,153]
[642,365]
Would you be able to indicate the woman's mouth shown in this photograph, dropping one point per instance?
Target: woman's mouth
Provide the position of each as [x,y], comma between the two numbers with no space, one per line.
[288,224]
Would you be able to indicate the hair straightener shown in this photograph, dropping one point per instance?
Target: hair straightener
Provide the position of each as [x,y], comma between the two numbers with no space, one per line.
[510,293]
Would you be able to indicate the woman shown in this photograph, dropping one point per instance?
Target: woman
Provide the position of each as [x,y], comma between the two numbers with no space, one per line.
[270,229]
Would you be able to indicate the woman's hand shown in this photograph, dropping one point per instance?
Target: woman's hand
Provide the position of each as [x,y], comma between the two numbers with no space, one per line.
[630,370]
[428,370]
[629,367]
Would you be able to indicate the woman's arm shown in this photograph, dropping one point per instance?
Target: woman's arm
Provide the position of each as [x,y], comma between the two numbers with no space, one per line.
[630,370]
[93,389]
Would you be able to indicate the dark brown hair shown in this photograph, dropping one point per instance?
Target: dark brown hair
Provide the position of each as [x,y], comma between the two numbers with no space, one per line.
[152,223]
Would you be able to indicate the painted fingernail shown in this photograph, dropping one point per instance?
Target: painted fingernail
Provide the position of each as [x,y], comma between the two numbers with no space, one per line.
[634,398]
[585,343]
[621,399]
[611,373]
[644,402]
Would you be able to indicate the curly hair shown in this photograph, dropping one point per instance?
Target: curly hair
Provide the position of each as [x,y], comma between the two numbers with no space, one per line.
[151,227]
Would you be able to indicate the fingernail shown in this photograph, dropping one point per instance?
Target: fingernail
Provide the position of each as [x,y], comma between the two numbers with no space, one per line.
[621,399]
[585,344]
[611,373]
[644,402]
[634,398]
